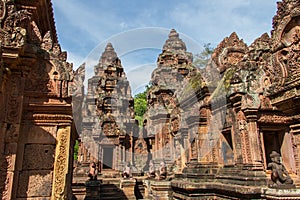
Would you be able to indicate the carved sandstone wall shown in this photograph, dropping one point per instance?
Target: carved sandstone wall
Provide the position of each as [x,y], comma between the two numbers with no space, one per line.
[165,123]
[36,112]
[109,122]
[260,114]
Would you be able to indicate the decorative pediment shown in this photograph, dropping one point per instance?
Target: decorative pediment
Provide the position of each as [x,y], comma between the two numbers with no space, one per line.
[286,10]
[286,38]
[229,52]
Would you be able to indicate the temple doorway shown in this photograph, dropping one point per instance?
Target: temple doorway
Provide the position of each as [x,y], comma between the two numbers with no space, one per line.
[272,142]
[108,157]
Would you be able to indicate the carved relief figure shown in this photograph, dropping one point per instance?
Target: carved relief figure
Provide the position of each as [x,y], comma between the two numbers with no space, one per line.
[151,173]
[174,125]
[279,176]
[162,171]
[127,171]
[93,171]
[242,123]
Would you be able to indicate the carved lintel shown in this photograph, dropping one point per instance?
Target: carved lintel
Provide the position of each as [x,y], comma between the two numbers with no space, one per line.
[273,119]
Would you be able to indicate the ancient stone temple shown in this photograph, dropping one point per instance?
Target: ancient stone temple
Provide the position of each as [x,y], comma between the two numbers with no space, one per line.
[166,127]
[260,118]
[228,131]
[36,86]
[108,121]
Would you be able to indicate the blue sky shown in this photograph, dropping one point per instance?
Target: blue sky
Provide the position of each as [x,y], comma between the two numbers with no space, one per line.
[84,27]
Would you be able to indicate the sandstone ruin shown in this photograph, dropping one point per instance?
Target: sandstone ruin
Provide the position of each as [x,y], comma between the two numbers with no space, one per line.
[228,131]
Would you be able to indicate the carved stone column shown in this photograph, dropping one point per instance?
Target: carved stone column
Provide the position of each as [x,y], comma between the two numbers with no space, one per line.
[13,116]
[61,163]
[252,142]
[295,131]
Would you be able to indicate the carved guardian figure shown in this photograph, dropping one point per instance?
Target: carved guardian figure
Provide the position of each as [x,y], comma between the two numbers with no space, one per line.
[279,176]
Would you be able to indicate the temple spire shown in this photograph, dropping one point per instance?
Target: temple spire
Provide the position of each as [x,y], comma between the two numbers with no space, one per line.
[174,43]
[109,55]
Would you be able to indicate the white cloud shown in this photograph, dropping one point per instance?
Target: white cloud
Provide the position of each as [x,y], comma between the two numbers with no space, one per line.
[214,20]
[86,26]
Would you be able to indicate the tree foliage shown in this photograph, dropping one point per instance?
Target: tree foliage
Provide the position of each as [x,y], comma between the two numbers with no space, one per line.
[203,57]
[76,147]
[140,104]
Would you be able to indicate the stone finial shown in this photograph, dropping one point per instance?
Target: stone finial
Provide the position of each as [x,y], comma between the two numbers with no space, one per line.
[109,55]
[174,43]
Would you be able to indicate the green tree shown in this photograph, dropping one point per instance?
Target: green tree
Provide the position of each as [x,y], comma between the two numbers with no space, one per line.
[76,147]
[203,57]
[140,105]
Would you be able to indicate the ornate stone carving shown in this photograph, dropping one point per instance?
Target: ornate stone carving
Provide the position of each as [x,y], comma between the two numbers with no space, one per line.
[35,34]
[279,176]
[243,128]
[16,25]
[151,174]
[2,9]
[140,154]
[242,121]
[47,42]
[12,133]
[61,164]
[174,125]
[6,185]
[229,52]
[110,129]
[13,103]
[162,171]
[272,118]
[286,37]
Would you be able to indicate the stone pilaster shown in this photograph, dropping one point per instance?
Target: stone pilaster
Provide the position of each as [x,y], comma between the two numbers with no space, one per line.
[252,142]
[61,164]
[13,116]
[295,131]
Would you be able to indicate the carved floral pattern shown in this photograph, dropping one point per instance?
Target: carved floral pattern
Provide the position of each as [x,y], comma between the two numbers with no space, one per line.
[61,164]
[243,128]
[229,52]
[2,9]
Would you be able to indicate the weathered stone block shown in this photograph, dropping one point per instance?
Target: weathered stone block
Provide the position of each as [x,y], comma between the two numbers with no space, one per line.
[161,190]
[127,185]
[35,183]
[38,156]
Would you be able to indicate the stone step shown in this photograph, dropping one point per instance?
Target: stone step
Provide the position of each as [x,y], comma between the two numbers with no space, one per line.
[110,181]
[112,197]
[296,180]
[109,174]
[113,193]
